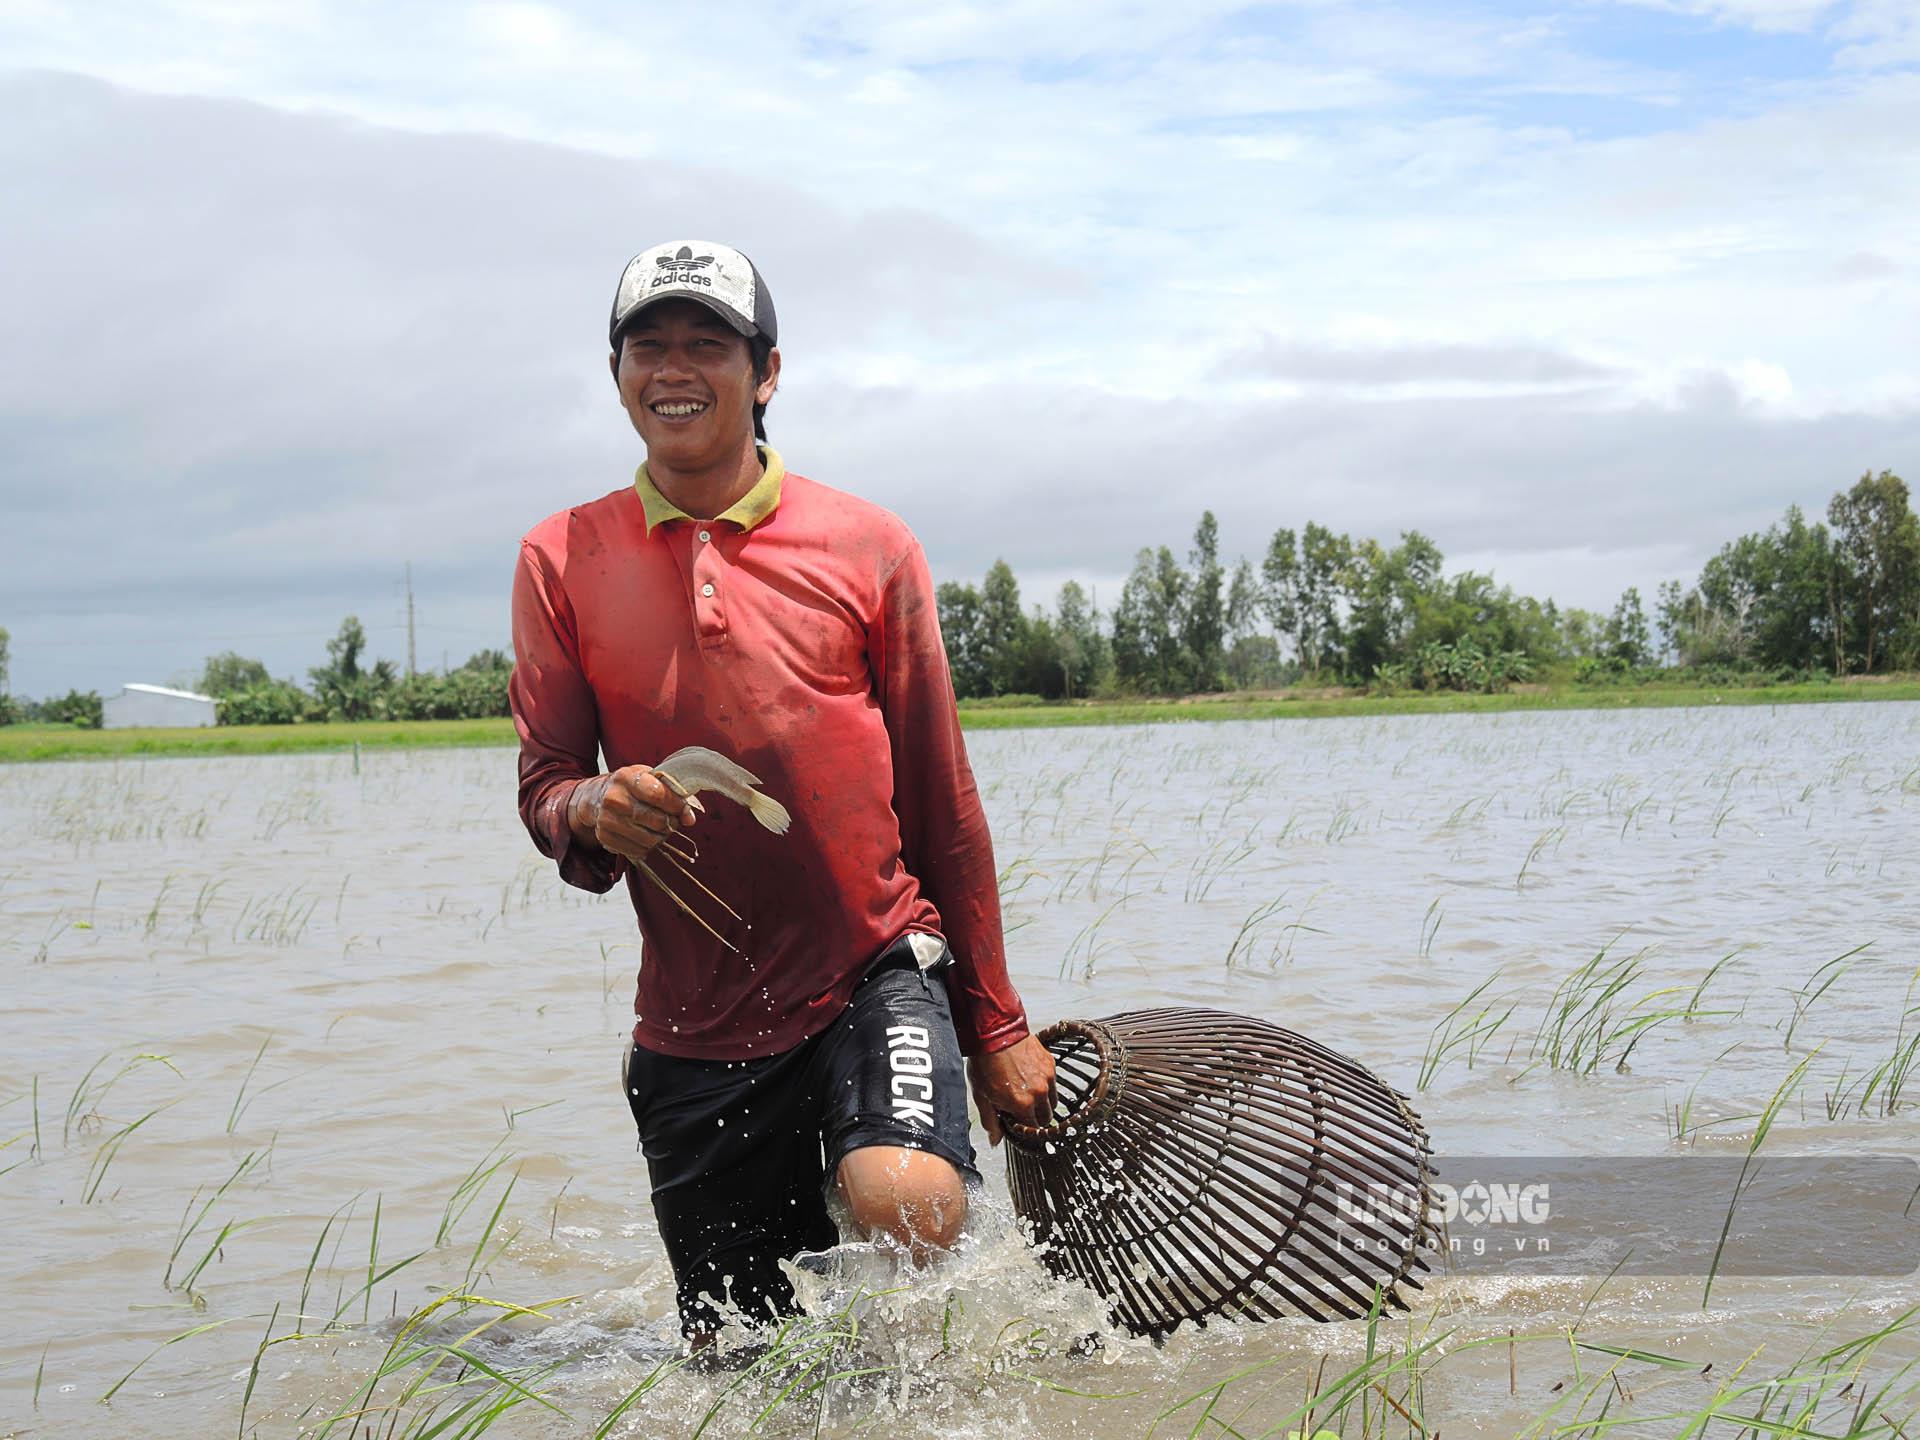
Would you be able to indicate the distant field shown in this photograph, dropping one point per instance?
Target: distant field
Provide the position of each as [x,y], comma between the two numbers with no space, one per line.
[60,742]
[1320,706]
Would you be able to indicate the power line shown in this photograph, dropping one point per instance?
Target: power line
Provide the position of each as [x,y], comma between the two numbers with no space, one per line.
[410,647]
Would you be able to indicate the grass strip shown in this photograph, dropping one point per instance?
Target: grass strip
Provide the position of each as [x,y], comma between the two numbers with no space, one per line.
[61,742]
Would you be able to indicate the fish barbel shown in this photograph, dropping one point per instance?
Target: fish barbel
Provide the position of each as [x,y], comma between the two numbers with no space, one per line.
[686,773]
[696,768]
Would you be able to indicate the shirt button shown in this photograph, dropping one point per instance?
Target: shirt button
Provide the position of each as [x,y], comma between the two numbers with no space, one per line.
[705,535]
[707,589]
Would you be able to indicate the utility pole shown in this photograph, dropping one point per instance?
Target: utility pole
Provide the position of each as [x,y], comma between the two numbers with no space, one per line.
[410,649]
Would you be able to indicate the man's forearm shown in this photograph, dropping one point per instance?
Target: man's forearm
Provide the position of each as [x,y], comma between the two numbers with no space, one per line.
[583,810]
[554,711]
[943,829]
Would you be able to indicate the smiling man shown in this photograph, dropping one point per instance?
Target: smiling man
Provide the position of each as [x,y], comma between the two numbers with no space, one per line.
[802,1011]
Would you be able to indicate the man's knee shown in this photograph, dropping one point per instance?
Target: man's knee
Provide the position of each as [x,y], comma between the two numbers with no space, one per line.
[914,1196]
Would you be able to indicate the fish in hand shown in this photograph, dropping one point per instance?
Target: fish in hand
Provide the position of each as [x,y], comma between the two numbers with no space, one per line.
[688,772]
[696,768]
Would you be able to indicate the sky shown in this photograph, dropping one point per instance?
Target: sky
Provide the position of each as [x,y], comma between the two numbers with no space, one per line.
[302,295]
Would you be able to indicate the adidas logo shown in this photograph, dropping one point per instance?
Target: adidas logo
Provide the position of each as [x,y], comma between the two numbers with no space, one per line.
[684,257]
[681,268]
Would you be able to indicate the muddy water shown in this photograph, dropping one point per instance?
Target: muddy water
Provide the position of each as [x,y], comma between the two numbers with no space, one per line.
[330,996]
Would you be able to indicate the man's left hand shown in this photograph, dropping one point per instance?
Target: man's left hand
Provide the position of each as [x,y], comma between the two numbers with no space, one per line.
[1016,1082]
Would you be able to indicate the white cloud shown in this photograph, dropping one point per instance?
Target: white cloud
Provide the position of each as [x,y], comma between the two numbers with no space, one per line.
[1763,15]
[1762,384]
[1880,34]
[891,87]
[1275,148]
[1399,365]
[523,35]
[1598,576]
[1010,253]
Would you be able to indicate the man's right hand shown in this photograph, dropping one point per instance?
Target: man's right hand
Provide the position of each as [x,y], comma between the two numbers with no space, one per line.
[627,813]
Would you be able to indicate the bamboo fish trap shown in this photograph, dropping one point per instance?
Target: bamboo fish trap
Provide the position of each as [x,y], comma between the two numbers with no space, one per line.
[1203,1164]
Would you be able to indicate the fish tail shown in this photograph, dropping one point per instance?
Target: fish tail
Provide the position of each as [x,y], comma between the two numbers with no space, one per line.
[769,812]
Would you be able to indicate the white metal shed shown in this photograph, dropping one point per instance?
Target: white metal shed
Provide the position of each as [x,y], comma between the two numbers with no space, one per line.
[144,705]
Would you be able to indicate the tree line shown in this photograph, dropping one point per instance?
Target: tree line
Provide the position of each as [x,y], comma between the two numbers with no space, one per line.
[1801,599]
[346,687]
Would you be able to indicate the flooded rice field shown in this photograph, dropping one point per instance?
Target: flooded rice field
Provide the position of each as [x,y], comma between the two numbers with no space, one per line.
[312,1126]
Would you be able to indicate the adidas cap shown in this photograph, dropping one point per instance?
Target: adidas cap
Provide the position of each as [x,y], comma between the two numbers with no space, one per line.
[716,276]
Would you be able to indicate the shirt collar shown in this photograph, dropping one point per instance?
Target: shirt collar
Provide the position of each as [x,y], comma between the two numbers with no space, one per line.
[746,512]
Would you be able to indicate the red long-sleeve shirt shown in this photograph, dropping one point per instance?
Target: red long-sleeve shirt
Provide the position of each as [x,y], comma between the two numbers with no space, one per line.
[804,644]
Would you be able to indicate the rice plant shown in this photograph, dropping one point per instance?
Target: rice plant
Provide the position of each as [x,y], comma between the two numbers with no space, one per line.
[1219,858]
[1768,1115]
[242,1100]
[191,1220]
[159,902]
[482,1256]
[55,929]
[440,1387]
[83,1107]
[1241,950]
[108,1152]
[1023,867]
[1700,990]
[1823,979]
[1590,1019]
[1681,1127]
[1085,949]
[1882,1090]
[468,1190]
[203,902]
[1467,812]
[201,1329]
[280,918]
[1463,1029]
[1430,927]
[1548,840]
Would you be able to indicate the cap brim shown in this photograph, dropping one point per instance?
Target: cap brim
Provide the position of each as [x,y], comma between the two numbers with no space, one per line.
[734,322]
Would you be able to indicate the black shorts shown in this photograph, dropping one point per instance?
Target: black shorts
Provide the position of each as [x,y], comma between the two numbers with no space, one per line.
[742,1153]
